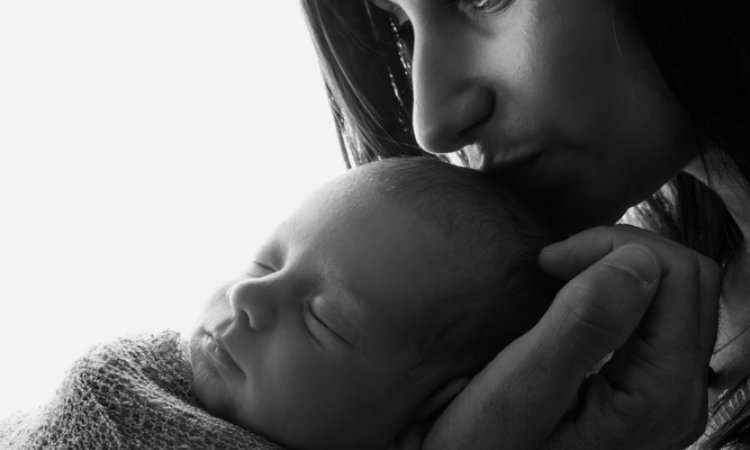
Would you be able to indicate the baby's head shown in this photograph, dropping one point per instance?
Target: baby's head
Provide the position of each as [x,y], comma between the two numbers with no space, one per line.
[368,306]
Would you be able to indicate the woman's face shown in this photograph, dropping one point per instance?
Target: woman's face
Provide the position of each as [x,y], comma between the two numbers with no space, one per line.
[560,99]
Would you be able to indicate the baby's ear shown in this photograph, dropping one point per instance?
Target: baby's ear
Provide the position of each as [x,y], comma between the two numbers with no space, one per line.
[438,400]
[413,434]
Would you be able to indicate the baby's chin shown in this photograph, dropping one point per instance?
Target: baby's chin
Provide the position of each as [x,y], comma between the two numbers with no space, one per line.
[208,388]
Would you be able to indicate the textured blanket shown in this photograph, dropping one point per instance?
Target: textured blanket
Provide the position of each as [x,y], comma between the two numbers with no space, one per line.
[131,394]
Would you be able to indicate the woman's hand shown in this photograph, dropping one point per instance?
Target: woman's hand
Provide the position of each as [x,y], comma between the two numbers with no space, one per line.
[651,301]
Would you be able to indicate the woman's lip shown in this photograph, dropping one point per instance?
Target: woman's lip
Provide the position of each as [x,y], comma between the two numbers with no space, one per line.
[511,161]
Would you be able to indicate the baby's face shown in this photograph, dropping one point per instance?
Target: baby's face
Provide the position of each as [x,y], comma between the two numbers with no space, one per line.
[312,347]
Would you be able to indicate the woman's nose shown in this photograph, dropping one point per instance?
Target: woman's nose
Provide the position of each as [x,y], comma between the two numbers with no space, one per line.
[449,101]
[253,301]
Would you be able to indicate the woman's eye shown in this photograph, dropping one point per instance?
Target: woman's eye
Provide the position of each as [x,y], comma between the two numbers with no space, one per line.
[483,6]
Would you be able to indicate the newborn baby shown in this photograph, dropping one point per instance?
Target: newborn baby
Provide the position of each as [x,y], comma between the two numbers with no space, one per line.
[370,306]
[363,315]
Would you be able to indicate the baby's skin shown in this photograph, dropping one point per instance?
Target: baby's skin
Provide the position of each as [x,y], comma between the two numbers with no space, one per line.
[314,346]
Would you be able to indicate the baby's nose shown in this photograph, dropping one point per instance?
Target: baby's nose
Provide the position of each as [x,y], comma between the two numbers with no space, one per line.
[252,301]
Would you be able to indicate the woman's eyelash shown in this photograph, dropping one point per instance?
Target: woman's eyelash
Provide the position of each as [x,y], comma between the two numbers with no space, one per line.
[479,6]
[402,24]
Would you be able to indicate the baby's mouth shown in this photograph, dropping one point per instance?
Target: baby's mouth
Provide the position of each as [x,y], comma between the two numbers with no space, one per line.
[215,349]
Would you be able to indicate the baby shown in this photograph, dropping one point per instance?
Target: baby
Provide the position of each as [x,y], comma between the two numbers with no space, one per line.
[364,313]
[370,305]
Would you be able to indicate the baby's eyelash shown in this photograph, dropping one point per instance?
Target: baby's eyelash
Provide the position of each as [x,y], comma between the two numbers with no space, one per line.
[308,305]
[265,266]
[258,269]
[311,314]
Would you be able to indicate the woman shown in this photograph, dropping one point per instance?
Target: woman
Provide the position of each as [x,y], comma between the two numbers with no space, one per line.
[587,107]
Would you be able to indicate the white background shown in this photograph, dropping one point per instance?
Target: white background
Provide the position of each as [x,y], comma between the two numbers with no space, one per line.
[146,147]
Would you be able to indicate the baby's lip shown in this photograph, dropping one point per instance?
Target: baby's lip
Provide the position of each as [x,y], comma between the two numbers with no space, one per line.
[223,354]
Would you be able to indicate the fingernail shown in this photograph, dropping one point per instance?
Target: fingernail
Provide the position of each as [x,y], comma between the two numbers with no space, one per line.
[637,260]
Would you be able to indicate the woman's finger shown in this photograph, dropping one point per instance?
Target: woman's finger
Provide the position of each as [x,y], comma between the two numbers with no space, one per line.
[519,399]
[661,372]
[568,258]
[708,307]
[650,301]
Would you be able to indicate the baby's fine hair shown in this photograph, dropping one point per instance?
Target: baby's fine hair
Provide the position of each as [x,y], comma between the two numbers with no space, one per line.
[495,238]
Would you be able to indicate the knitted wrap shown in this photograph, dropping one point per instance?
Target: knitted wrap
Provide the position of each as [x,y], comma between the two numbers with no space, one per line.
[130,394]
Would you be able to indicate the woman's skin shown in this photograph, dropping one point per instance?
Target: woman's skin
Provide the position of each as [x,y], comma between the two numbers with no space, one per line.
[632,291]
[563,101]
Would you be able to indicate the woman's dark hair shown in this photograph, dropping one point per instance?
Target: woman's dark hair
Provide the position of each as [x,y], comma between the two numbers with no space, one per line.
[701,48]
[703,52]
[365,67]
